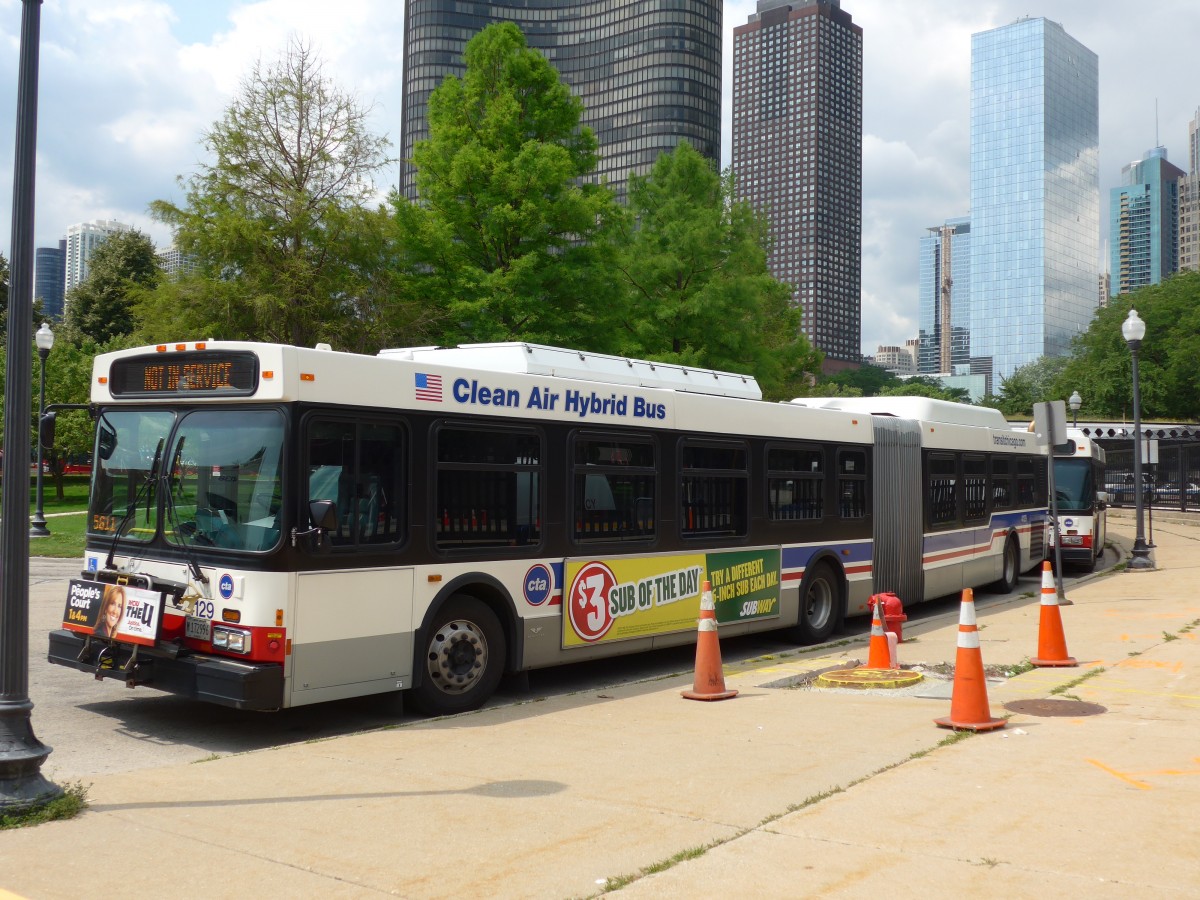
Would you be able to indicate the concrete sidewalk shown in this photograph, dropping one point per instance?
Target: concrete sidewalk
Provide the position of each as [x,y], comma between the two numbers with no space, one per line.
[782,791]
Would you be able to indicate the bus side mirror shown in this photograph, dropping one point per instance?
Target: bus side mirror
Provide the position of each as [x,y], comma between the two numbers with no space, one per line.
[46,429]
[1102,497]
[322,516]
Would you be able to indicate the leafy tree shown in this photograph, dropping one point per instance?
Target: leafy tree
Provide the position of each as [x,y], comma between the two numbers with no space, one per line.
[504,240]
[869,380]
[3,297]
[68,380]
[276,218]
[922,386]
[1100,367]
[101,306]
[698,291]
[1034,382]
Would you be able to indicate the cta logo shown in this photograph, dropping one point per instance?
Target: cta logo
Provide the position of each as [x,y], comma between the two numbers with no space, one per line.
[1069,523]
[538,585]
[225,585]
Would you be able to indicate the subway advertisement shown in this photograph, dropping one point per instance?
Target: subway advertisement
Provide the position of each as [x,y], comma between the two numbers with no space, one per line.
[626,597]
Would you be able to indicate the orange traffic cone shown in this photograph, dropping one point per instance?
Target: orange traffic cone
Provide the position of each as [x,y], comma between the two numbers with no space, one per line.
[969,703]
[709,683]
[879,656]
[1052,644]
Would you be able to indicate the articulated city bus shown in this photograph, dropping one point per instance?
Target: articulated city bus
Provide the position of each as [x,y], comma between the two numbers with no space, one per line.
[272,526]
[1079,487]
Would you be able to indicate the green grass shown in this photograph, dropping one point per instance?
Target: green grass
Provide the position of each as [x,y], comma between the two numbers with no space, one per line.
[65,540]
[66,532]
[70,804]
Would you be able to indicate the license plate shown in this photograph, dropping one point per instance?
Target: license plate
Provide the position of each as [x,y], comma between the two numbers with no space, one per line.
[200,629]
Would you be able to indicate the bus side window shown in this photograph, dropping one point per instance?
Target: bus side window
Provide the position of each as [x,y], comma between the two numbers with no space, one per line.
[359,466]
[614,486]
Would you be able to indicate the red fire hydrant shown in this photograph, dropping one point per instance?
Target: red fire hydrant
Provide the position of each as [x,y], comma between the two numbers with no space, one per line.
[893,615]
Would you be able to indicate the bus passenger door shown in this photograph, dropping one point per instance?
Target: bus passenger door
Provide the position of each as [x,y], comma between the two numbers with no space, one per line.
[352,634]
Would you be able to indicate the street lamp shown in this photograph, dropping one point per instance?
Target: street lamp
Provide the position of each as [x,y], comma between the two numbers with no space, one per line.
[45,340]
[1133,330]
[1075,402]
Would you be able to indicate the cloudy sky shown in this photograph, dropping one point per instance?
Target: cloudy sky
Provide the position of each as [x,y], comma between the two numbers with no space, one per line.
[128,86]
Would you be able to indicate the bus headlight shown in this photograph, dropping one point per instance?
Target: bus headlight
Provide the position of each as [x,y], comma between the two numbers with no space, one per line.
[232,639]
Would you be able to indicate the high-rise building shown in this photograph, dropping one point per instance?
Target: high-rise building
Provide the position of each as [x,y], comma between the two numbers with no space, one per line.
[175,263]
[1035,193]
[648,73]
[1189,202]
[944,272]
[1144,222]
[82,240]
[797,157]
[897,360]
[48,271]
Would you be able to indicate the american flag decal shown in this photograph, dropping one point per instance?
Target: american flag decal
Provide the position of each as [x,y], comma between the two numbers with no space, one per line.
[429,387]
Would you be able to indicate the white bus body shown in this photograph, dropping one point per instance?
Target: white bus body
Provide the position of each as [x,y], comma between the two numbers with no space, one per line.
[289,526]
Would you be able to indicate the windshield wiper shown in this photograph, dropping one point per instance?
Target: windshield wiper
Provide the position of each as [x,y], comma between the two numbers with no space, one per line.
[173,514]
[131,510]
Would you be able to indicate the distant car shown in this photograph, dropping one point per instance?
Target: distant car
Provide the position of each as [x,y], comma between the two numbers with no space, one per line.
[1169,493]
[1120,488]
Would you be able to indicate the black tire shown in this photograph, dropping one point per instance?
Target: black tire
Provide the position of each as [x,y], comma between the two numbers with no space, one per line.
[1007,582]
[462,659]
[820,605]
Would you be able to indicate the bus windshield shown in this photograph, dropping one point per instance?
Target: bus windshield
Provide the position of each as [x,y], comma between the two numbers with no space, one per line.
[217,483]
[1074,487]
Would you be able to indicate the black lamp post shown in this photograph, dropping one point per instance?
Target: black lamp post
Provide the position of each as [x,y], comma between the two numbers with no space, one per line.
[22,785]
[1075,401]
[1133,330]
[45,341]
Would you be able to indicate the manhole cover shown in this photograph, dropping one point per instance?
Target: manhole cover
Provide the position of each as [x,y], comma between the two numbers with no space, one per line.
[1055,708]
[868,678]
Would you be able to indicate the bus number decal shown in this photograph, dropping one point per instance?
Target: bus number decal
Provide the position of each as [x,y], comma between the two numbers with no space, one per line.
[204,609]
[590,616]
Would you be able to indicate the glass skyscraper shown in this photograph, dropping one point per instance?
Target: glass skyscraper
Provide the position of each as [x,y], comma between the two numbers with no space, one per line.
[945,299]
[49,269]
[1035,193]
[1143,216]
[797,157]
[648,71]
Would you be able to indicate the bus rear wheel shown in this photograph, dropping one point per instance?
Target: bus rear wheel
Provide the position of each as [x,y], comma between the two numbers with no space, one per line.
[463,658]
[820,605]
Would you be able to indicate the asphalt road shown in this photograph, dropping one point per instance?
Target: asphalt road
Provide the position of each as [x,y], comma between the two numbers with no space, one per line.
[97,727]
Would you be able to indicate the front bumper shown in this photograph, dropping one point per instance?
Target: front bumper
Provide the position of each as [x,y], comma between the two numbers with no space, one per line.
[213,679]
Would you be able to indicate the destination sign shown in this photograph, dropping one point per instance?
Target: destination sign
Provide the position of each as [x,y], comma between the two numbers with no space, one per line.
[232,373]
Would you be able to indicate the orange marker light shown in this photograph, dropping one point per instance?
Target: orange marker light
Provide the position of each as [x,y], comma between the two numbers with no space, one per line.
[160,348]
[268,374]
[103,379]
[307,376]
[181,346]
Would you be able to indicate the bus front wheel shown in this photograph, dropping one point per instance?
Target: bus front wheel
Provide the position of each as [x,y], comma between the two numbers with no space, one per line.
[820,605]
[1011,563]
[463,658]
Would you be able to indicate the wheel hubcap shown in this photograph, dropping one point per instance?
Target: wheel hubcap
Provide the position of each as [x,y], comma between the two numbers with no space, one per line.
[818,605]
[458,657]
